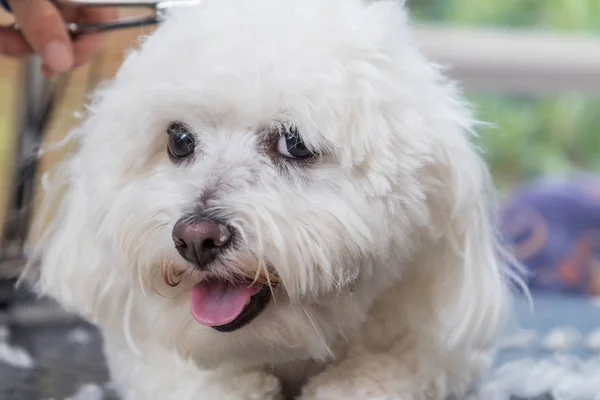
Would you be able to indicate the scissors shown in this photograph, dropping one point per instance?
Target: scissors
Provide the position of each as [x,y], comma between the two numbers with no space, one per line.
[159,12]
[40,98]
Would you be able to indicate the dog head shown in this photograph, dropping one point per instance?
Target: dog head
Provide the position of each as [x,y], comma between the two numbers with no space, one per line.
[259,172]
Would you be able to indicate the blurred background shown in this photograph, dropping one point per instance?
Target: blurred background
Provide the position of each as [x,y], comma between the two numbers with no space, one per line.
[547,127]
[531,68]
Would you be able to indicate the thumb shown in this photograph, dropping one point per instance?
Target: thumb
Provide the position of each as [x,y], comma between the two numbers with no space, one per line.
[44,29]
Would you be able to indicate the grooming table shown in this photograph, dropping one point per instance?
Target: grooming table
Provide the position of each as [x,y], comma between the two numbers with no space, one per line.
[66,361]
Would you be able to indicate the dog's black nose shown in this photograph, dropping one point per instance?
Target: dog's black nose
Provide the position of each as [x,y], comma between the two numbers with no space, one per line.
[200,240]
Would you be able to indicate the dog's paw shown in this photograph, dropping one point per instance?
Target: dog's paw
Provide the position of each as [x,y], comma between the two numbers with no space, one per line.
[253,385]
[369,377]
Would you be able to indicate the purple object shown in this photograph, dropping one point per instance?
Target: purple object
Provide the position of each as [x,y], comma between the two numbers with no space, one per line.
[554,230]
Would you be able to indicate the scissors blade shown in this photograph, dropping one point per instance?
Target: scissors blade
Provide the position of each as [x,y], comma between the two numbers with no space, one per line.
[119,4]
[157,5]
[75,28]
[160,9]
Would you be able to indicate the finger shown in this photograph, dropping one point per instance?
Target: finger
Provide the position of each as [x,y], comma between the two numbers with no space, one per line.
[12,43]
[47,72]
[85,46]
[44,29]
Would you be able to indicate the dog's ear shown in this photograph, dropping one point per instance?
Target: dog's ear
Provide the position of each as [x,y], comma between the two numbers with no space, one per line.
[466,262]
[72,265]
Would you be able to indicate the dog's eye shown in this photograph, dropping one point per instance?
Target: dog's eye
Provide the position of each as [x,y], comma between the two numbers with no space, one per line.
[291,145]
[181,140]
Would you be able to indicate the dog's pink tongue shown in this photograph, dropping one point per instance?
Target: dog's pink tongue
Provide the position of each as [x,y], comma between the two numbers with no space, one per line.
[215,302]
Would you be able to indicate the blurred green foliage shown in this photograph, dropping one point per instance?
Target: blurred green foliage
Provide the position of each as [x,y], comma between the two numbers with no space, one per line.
[532,136]
[572,15]
[538,136]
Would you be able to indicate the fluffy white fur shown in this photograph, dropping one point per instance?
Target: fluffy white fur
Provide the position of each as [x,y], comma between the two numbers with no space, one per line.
[391,285]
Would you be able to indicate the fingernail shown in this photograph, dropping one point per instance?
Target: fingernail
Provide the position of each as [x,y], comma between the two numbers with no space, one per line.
[47,71]
[57,56]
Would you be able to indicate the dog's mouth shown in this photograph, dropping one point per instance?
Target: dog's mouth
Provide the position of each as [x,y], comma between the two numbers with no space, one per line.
[227,306]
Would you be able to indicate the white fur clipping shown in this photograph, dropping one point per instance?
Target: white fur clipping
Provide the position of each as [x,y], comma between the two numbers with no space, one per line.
[89,391]
[79,335]
[593,341]
[564,377]
[13,355]
[561,339]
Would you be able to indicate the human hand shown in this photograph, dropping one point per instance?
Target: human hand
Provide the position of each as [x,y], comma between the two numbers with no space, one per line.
[43,31]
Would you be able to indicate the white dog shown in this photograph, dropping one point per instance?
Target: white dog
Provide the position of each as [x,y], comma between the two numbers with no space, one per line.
[279,199]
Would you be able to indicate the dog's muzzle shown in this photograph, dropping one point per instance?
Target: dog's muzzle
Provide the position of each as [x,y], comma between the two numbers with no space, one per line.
[223,305]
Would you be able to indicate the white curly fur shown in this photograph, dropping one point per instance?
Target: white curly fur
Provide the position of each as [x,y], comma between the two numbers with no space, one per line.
[391,285]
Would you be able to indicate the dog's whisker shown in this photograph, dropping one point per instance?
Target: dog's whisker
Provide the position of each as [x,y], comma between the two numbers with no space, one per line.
[318,332]
[186,327]
[127,324]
